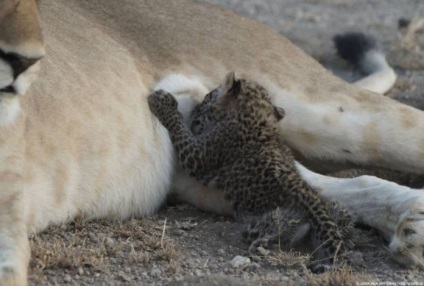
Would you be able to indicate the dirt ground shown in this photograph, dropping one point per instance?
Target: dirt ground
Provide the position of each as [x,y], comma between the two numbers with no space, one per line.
[183,246]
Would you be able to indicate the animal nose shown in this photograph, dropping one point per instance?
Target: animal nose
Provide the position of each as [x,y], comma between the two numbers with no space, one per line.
[17,62]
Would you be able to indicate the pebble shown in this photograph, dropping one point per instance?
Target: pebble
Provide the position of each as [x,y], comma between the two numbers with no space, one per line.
[179,232]
[92,236]
[263,251]
[240,261]
[67,278]
[110,242]
[221,251]
[155,272]
[80,271]
[254,266]
[123,276]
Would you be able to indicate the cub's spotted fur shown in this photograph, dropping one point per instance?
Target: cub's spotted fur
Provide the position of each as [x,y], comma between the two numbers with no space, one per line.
[235,146]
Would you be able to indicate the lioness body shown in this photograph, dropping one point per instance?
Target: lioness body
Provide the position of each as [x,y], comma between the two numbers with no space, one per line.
[100,133]
[84,142]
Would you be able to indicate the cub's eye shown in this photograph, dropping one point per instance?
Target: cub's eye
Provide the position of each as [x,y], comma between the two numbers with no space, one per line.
[408,245]
[211,95]
[408,231]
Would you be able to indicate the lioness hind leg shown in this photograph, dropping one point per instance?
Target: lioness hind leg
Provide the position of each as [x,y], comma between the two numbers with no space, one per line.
[392,209]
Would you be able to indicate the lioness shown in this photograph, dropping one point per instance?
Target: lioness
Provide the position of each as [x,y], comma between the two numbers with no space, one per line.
[80,140]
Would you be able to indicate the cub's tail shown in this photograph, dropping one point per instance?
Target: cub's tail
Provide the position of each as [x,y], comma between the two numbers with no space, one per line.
[364,53]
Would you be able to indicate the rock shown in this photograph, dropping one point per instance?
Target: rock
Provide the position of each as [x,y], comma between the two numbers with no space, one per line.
[254,266]
[240,262]
[67,278]
[110,242]
[263,251]
[155,272]
[179,232]
[123,276]
[80,271]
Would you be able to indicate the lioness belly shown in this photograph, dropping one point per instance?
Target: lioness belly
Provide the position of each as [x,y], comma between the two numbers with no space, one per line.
[93,148]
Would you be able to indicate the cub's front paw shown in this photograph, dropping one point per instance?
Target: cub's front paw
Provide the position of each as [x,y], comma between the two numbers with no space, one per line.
[162,104]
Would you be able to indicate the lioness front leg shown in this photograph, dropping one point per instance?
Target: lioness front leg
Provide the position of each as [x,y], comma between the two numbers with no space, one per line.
[14,244]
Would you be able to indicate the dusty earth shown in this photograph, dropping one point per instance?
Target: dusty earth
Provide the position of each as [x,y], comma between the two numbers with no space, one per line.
[183,246]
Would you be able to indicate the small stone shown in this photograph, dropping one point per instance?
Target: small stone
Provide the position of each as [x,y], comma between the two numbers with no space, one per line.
[123,276]
[240,262]
[80,271]
[155,272]
[254,266]
[110,242]
[221,251]
[179,232]
[256,258]
[97,275]
[67,278]
[221,259]
[203,252]
[263,251]
[356,258]
[92,236]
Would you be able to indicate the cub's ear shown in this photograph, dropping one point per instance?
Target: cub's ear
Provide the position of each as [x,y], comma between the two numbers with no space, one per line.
[279,113]
[231,85]
[229,81]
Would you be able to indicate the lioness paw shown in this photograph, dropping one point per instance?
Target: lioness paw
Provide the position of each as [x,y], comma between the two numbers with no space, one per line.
[13,271]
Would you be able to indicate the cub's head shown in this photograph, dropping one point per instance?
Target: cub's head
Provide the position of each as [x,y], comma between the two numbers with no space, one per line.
[407,244]
[21,48]
[241,98]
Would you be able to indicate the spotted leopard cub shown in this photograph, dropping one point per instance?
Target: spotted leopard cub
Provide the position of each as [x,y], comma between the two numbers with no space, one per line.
[238,150]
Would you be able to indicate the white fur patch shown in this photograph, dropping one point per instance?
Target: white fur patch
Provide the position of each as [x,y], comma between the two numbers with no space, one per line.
[381,76]
[179,83]
[9,110]
[9,103]
[25,79]
[6,74]
[187,90]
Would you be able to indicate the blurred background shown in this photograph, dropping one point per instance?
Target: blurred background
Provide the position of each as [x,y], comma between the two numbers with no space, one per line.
[397,24]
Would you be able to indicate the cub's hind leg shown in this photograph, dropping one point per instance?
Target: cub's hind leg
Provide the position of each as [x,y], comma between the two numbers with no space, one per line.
[188,190]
